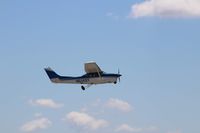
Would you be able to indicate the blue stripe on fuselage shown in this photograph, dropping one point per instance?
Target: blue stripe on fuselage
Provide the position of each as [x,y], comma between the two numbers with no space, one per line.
[86,76]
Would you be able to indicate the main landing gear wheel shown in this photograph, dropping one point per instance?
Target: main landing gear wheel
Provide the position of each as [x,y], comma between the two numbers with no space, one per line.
[82,87]
[115,82]
[85,87]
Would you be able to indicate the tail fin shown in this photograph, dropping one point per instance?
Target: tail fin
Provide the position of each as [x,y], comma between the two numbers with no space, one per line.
[51,74]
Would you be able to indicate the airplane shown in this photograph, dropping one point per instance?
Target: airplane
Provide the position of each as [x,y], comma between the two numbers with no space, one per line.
[94,75]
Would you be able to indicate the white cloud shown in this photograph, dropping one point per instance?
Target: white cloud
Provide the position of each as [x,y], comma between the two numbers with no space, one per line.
[166,8]
[46,103]
[85,121]
[41,123]
[127,128]
[119,104]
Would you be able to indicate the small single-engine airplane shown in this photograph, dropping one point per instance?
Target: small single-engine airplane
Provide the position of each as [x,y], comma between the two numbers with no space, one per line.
[94,75]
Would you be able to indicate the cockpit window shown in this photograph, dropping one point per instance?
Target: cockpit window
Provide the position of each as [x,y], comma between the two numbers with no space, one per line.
[93,74]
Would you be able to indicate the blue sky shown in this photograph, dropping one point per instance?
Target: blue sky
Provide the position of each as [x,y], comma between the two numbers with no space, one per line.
[157,52]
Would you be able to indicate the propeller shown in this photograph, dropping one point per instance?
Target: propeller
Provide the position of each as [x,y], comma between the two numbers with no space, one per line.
[119,73]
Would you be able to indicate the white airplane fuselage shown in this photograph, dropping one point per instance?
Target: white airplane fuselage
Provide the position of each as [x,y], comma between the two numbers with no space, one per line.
[80,80]
[88,78]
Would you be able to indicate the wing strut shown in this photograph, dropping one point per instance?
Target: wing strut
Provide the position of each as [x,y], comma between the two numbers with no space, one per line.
[98,73]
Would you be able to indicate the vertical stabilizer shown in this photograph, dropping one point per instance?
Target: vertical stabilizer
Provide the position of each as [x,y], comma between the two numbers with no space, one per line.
[51,74]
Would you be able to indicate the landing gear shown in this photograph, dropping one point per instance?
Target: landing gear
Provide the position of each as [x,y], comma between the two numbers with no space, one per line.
[115,82]
[83,88]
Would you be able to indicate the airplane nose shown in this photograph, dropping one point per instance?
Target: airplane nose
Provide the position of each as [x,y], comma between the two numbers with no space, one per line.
[119,75]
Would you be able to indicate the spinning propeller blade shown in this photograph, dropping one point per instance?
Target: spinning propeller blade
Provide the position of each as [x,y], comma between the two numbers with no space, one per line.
[119,73]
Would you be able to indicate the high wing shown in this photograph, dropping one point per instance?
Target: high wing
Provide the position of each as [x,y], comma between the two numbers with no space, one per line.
[92,67]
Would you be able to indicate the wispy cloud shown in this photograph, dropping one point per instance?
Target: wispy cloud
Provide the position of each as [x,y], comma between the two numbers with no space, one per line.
[128,128]
[85,121]
[175,131]
[166,8]
[119,105]
[45,103]
[38,115]
[40,123]
[96,107]
[112,15]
